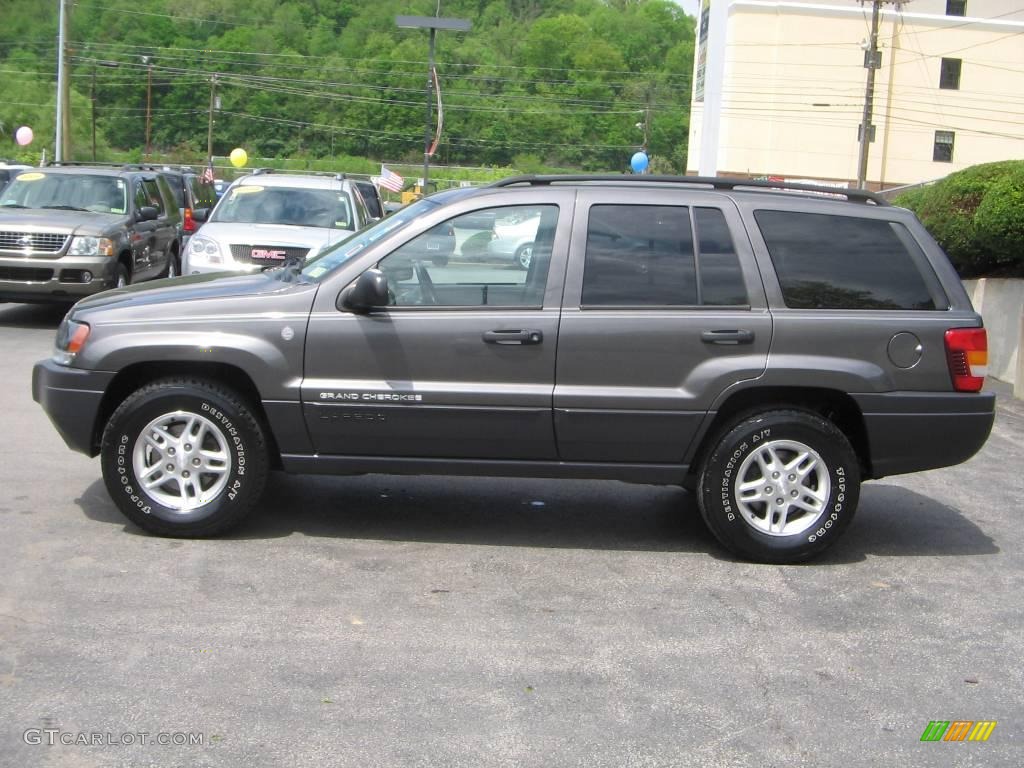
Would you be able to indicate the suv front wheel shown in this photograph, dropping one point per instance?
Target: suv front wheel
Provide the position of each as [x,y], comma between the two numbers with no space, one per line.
[779,486]
[184,457]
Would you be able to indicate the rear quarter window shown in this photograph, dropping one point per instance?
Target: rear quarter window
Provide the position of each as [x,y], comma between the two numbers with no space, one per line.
[825,261]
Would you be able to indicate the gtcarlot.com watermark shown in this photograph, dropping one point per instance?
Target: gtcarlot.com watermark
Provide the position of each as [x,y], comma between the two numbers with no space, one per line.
[52,737]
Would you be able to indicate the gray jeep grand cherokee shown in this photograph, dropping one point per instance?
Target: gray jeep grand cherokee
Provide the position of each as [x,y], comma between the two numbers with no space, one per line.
[767,347]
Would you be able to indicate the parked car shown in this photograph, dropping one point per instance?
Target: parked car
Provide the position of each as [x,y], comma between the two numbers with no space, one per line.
[267,218]
[512,239]
[8,172]
[371,196]
[70,231]
[635,347]
[190,192]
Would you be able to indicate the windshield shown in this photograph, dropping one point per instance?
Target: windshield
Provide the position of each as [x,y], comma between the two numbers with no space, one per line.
[332,258]
[85,192]
[253,204]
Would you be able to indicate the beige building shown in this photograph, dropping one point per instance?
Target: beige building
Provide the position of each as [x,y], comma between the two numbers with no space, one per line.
[779,88]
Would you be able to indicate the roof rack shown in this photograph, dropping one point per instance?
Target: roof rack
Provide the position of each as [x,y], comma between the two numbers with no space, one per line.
[714,182]
[321,174]
[81,163]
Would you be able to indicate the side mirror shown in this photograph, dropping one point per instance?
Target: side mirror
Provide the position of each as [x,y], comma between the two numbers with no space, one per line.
[148,213]
[368,291]
[200,214]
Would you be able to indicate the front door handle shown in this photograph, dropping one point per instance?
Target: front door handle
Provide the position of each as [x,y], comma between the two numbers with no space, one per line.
[736,336]
[518,336]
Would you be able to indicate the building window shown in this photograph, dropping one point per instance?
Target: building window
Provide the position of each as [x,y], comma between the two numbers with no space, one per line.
[943,152]
[949,76]
[956,7]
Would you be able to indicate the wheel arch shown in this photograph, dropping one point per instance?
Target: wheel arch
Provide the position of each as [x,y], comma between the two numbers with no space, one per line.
[834,405]
[136,375]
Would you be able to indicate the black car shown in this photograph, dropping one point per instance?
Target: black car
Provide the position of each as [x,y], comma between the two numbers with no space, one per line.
[8,172]
[68,231]
[371,196]
[190,192]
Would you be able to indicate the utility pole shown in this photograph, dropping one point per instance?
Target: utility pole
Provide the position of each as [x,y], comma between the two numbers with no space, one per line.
[62,145]
[209,122]
[872,62]
[148,61]
[92,98]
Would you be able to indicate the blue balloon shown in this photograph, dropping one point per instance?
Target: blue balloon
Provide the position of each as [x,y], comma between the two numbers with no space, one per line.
[639,162]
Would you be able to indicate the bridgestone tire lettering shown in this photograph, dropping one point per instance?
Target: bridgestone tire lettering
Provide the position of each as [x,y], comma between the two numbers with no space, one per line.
[247,463]
[720,474]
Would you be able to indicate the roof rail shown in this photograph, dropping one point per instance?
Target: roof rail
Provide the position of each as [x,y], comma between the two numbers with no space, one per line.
[714,182]
[80,163]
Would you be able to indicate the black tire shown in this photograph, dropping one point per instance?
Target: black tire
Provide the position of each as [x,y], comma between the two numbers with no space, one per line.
[173,268]
[122,276]
[241,438]
[439,261]
[743,526]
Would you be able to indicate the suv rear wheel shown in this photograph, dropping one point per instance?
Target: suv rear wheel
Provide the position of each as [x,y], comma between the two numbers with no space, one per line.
[779,486]
[184,457]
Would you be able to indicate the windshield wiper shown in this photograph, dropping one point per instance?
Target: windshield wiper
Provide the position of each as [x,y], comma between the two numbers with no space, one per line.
[63,207]
[13,205]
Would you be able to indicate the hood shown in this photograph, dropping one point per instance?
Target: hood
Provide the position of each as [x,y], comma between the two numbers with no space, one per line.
[185,289]
[277,235]
[56,220]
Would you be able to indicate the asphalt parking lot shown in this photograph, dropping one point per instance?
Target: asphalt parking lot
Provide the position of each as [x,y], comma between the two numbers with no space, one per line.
[390,621]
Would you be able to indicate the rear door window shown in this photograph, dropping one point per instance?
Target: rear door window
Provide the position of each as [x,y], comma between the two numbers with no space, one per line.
[639,255]
[644,256]
[847,262]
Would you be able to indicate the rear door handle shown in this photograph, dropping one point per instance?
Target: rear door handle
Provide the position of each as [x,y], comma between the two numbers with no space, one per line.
[738,336]
[518,336]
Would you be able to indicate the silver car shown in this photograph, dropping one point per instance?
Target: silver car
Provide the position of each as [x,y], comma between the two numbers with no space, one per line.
[512,239]
[266,219]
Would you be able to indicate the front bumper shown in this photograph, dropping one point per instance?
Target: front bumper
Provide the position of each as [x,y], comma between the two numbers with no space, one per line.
[915,431]
[71,398]
[43,280]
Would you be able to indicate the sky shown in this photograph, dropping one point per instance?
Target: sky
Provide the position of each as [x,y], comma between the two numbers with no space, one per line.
[690,6]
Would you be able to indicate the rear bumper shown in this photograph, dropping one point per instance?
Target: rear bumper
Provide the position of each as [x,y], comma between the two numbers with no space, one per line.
[42,280]
[914,431]
[71,398]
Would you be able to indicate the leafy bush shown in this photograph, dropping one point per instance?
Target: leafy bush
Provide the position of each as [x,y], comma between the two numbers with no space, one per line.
[977,216]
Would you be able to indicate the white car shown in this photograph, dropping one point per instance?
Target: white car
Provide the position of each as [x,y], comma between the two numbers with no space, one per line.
[512,239]
[268,218]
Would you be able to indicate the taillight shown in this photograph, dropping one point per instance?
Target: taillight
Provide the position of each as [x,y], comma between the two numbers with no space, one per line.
[967,352]
[190,223]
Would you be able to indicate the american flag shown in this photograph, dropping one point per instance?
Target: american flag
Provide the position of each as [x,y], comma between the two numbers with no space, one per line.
[207,174]
[391,180]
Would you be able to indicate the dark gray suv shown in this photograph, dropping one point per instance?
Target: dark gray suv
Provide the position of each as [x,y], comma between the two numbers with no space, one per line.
[768,348]
[68,231]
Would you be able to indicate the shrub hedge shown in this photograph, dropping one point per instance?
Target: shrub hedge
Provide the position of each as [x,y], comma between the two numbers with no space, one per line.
[977,216]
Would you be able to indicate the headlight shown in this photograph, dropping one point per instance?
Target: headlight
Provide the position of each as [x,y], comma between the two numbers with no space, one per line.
[91,246]
[70,339]
[204,249]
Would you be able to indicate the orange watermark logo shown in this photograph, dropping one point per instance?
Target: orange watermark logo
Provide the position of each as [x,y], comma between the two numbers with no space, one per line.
[958,730]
